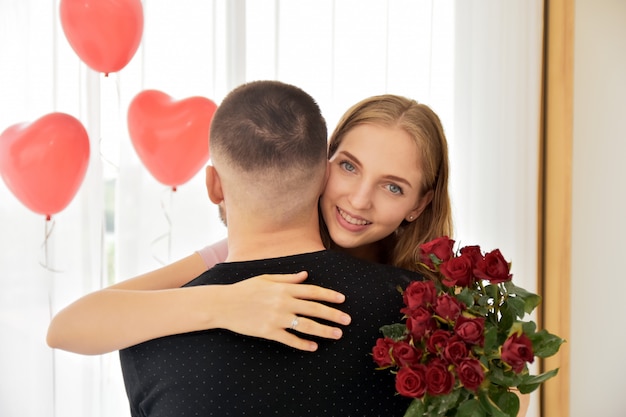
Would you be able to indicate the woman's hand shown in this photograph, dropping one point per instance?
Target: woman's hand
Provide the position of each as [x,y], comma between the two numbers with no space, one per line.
[266,306]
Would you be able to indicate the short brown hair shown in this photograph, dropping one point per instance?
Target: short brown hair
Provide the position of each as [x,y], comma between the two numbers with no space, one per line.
[265,124]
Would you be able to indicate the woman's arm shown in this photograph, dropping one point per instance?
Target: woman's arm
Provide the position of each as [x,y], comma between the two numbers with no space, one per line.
[131,311]
[174,275]
[126,313]
[151,305]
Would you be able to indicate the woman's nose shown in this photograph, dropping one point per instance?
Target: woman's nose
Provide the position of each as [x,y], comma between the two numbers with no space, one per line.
[361,197]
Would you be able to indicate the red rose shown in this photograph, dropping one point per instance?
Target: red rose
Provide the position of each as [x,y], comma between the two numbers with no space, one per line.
[419,293]
[439,380]
[437,341]
[471,330]
[448,307]
[411,382]
[440,248]
[494,268]
[406,355]
[455,351]
[457,271]
[473,252]
[516,351]
[381,352]
[470,373]
[419,322]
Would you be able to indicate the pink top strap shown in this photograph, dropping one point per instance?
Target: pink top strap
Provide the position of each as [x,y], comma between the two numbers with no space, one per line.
[215,253]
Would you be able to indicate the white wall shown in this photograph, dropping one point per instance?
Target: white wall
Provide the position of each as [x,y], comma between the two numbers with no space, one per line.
[598,339]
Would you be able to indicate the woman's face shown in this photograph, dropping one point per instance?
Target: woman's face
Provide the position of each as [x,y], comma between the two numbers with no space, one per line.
[374,184]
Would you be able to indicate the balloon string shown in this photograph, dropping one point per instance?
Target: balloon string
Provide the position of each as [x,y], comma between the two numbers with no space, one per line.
[50,286]
[106,159]
[167,235]
[45,263]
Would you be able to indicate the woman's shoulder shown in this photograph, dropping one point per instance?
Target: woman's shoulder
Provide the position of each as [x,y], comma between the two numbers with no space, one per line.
[214,254]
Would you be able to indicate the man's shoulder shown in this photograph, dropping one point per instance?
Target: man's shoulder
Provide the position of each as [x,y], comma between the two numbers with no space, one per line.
[324,262]
[377,268]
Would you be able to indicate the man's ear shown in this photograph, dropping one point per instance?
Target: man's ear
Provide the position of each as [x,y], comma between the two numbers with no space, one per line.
[214,185]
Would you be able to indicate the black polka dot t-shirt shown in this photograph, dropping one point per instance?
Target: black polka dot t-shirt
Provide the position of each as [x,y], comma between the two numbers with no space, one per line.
[220,373]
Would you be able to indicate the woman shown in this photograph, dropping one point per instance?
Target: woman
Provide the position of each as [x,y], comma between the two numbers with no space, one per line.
[388,159]
[386,194]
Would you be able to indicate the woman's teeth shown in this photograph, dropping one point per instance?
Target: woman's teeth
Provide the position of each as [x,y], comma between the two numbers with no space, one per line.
[352,220]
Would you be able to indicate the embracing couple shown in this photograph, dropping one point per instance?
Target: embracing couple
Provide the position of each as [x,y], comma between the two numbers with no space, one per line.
[281,318]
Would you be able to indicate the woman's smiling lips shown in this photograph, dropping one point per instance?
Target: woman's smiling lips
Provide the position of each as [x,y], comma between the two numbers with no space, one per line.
[349,222]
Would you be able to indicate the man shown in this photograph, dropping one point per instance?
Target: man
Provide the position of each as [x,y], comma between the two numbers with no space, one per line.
[268,153]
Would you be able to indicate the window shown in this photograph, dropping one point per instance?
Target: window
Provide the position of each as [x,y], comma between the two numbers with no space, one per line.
[477,64]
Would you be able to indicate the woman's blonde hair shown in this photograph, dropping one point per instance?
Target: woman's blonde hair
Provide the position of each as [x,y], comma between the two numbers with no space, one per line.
[423,125]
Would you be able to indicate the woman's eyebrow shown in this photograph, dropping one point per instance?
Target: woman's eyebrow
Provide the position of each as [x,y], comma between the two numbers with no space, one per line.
[393,178]
[399,179]
[349,155]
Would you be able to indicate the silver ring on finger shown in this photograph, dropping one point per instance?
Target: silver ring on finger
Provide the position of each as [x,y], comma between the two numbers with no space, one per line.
[294,323]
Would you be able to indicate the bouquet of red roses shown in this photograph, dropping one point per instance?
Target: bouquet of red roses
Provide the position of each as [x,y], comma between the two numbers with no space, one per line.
[463,344]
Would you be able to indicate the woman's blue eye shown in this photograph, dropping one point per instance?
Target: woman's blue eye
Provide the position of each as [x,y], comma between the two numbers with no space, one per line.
[347,166]
[395,189]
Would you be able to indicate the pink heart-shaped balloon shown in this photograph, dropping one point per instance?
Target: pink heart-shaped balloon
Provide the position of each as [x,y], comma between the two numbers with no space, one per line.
[105,34]
[171,137]
[43,163]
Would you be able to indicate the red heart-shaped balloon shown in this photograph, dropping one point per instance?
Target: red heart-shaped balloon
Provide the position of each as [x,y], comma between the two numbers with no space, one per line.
[43,163]
[171,137]
[105,34]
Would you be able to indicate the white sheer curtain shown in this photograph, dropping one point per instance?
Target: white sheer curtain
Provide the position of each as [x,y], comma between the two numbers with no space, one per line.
[476,63]
[495,148]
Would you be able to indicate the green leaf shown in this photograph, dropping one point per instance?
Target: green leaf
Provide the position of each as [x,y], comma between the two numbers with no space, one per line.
[507,401]
[531,300]
[499,377]
[529,327]
[545,344]
[415,409]
[396,331]
[466,297]
[483,300]
[490,406]
[492,291]
[440,404]
[517,306]
[508,316]
[471,408]
[491,338]
[531,382]
[479,310]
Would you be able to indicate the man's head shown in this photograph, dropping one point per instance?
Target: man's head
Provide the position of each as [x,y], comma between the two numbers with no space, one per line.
[268,150]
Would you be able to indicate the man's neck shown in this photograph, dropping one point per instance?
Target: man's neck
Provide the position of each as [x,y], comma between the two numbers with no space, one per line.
[248,246]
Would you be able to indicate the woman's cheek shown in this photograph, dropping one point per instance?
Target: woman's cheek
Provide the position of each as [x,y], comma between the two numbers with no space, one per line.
[390,213]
